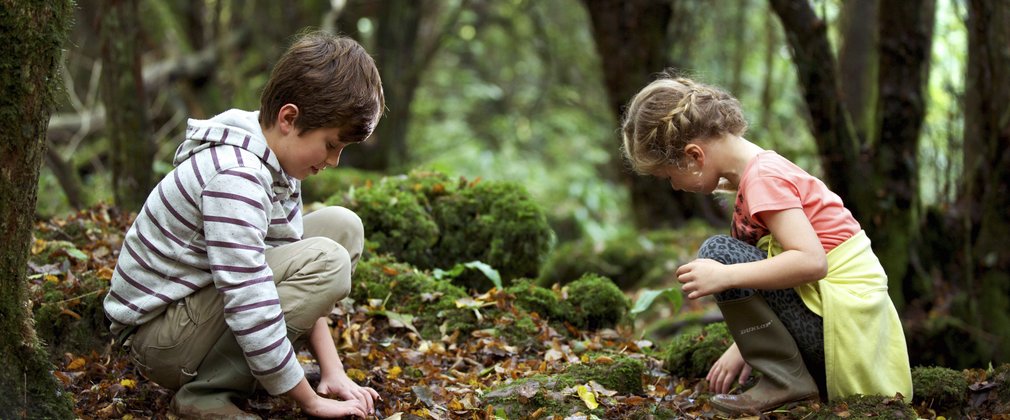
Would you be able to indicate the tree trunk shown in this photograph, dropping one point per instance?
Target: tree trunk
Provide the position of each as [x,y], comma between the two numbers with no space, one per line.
[857,62]
[906,35]
[985,195]
[33,33]
[128,125]
[631,41]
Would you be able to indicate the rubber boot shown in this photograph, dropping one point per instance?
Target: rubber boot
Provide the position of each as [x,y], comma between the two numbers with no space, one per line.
[769,348]
[223,378]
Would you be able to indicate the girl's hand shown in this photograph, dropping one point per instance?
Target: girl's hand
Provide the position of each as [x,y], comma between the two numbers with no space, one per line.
[729,367]
[703,277]
[344,388]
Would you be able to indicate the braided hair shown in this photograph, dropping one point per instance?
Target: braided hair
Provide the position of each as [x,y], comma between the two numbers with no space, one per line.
[671,112]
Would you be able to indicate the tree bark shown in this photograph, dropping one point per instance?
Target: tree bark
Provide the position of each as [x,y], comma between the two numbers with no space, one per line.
[857,62]
[985,195]
[906,35]
[33,33]
[631,41]
[128,125]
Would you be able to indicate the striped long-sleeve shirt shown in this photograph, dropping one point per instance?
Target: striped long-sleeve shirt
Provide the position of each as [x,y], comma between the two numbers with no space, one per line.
[207,223]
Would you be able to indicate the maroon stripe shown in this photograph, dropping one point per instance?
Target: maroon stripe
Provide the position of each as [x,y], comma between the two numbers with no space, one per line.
[164,232]
[294,211]
[182,190]
[262,304]
[155,249]
[244,175]
[213,155]
[233,245]
[279,221]
[238,156]
[282,239]
[196,171]
[224,135]
[231,221]
[141,287]
[206,133]
[127,303]
[245,142]
[266,155]
[291,353]
[260,327]
[171,209]
[237,268]
[272,346]
[147,267]
[246,283]
[231,196]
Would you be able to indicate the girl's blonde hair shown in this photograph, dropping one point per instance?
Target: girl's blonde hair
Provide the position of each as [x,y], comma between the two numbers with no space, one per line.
[671,112]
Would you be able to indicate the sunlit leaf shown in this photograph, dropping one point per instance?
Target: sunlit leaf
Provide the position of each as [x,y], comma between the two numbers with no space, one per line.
[588,396]
[356,374]
[77,364]
[647,297]
[128,383]
[394,372]
[488,271]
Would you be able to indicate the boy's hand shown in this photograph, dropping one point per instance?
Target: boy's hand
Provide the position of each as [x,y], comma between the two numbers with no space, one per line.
[344,388]
[327,408]
[703,277]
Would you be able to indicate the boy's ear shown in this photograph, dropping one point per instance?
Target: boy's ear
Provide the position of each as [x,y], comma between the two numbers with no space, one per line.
[286,118]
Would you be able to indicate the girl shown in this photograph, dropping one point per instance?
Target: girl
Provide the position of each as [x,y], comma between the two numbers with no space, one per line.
[800,289]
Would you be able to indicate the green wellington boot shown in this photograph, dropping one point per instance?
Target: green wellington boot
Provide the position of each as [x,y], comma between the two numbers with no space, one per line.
[223,378]
[768,348]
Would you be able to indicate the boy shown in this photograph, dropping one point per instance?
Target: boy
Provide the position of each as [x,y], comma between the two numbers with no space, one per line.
[219,279]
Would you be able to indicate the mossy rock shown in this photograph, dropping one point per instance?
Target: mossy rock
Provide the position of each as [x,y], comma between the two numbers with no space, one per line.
[554,393]
[431,221]
[406,290]
[941,389]
[71,318]
[320,187]
[631,260]
[692,353]
[531,298]
[596,302]
[865,406]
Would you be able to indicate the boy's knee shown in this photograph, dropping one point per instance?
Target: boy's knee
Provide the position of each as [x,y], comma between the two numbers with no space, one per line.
[342,225]
[715,247]
[336,276]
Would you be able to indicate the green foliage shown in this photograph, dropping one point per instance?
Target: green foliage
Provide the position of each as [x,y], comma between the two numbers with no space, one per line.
[942,389]
[615,372]
[597,302]
[431,222]
[631,259]
[672,295]
[691,354]
[544,302]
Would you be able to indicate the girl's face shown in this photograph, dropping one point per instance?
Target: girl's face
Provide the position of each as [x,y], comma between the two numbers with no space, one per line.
[691,176]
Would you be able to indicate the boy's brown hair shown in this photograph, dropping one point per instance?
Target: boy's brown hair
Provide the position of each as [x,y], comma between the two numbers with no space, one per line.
[333,82]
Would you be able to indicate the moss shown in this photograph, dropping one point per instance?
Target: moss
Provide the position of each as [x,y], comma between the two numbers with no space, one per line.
[691,354]
[865,406]
[1001,375]
[406,290]
[631,260]
[942,389]
[517,331]
[597,302]
[544,302]
[430,221]
[520,398]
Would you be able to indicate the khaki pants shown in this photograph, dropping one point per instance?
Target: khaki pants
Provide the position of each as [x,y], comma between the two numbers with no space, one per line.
[311,275]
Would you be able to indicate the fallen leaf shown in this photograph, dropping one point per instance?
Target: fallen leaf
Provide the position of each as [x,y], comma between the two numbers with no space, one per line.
[587,396]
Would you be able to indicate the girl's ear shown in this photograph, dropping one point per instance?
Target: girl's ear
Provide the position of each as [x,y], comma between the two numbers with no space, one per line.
[695,153]
[286,117]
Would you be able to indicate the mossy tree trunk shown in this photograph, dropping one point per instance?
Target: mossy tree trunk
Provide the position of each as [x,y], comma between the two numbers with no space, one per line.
[33,32]
[885,198]
[631,39]
[128,125]
[857,61]
[985,195]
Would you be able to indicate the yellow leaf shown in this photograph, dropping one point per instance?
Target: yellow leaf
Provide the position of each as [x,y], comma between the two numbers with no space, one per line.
[587,396]
[128,383]
[38,246]
[52,278]
[76,364]
[455,405]
[356,374]
[390,271]
[105,273]
[394,372]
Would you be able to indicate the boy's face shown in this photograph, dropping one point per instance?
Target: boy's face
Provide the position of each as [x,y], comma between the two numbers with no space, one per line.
[305,154]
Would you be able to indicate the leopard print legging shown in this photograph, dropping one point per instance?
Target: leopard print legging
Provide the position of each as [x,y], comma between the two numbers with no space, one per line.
[806,327]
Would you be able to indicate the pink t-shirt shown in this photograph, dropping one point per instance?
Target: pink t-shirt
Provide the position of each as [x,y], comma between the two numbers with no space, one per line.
[772,182]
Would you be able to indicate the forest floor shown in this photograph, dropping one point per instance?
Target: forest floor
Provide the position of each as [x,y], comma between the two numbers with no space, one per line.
[416,378]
